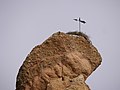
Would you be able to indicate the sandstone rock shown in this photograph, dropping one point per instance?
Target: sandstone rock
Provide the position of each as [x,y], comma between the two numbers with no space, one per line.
[62,62]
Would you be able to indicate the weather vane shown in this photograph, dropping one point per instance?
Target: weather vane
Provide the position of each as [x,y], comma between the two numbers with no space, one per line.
[80,21]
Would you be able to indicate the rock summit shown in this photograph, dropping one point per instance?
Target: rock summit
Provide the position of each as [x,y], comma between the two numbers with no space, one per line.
[62,62]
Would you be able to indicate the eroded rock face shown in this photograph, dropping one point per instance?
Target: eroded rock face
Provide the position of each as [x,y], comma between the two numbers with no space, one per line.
[62,62]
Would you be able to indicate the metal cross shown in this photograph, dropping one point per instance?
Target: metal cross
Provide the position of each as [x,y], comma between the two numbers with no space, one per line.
[80,21]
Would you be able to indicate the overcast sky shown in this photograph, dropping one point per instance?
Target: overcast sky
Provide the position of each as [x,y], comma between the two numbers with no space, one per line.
[27,23]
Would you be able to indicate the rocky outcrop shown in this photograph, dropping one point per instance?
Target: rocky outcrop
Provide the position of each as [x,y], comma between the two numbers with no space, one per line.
[62,62]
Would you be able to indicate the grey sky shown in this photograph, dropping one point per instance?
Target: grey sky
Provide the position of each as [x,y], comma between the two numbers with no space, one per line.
[27,23]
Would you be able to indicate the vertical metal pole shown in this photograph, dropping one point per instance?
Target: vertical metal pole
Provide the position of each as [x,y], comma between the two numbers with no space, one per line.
[79,26]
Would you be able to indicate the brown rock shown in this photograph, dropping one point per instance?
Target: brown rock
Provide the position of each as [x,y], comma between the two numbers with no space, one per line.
[62,62]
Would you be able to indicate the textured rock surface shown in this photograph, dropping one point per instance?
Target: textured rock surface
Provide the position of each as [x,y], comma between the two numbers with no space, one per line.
[62,62]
